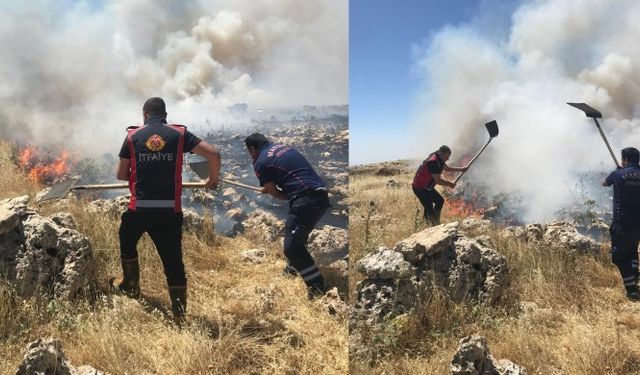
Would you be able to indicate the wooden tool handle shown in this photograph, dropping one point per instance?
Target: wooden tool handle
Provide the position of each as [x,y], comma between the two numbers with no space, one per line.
[474,159]
[187,185]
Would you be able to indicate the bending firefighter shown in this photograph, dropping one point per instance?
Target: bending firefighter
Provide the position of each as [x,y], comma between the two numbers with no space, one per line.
[282,167]
[151,160]
[426,179]
[625,227]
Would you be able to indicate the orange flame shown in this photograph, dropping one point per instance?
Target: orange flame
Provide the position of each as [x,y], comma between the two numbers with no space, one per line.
[464,207]
[43,167]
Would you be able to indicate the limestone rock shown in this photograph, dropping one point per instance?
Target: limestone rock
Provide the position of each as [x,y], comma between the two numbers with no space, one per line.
[480,273]
[566,234]
[192,221]
[441,259]
[202,196]
[555,233]
[46,357]
[532,233]
[598,230]
[384,264]
[427,242]
[475,224]
[112,207]
[236,214]
[40,256]
[64,219]
[9,220]
[332,303]
[17,205]
[375,300]
[328,244]
[263,226]
[473,358]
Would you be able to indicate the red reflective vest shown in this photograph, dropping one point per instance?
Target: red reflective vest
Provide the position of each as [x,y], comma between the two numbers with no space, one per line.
[423,178]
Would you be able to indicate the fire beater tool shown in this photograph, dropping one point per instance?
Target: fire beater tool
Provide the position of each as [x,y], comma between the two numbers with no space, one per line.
[492,128]
[595,115]
[62,189]
[201,168]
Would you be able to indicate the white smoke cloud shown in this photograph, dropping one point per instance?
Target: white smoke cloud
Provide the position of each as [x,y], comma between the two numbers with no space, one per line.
[78,72]
[556,51]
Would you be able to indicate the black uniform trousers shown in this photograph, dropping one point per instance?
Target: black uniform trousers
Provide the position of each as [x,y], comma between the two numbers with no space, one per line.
[432,202]
[625,237]
[305,210]
[165,230]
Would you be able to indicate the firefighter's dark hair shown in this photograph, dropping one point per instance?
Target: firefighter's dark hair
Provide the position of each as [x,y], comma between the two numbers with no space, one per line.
[256,140]
[444,149]
[155,106]
[631,154]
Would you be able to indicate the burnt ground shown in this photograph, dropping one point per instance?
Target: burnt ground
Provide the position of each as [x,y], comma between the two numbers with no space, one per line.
[325,143]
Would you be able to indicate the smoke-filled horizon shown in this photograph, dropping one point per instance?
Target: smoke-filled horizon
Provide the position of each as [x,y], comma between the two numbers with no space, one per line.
[556,51]
[76,74]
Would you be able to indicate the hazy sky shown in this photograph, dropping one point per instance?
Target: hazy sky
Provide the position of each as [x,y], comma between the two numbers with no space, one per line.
[423,76]
[383,83]
[72,71]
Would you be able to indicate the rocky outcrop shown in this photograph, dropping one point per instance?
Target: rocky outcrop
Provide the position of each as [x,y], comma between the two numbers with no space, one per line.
[38,255]
[473,358]
[64,219]
[385,264]
[475,225]
[555,233]
[328,244]
[45,356]
[438,258]
[112,207]
[333,305]
[598,229]
[263,226]
[192,221]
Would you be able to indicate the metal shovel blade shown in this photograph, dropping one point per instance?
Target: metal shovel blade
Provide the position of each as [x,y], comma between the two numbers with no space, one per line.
[587,109]
[492,128]
[201,168]
[58,191]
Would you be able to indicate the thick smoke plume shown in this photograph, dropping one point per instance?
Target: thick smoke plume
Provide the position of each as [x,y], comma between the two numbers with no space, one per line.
[77,72]
[555,51]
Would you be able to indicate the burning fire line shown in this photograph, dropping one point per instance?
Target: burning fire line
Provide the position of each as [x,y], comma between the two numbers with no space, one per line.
[44,167]
[465,206]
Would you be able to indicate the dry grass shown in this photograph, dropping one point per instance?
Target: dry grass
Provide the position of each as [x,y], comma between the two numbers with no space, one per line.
[243,318]
[564,313]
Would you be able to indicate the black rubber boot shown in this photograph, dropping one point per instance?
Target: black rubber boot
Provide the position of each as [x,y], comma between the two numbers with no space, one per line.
[317,289]
[129,284]
[633,294]
[436,217]
[289,271]
[178,297]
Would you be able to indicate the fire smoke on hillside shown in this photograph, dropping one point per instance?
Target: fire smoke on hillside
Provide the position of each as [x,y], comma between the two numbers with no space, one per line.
[75,74]
[554,52]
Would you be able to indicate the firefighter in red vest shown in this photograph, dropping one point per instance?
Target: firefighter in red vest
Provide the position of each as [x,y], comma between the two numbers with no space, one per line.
[426,179]
[151,160]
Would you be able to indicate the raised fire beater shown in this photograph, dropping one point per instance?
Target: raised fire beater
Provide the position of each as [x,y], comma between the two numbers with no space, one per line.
[151,160]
